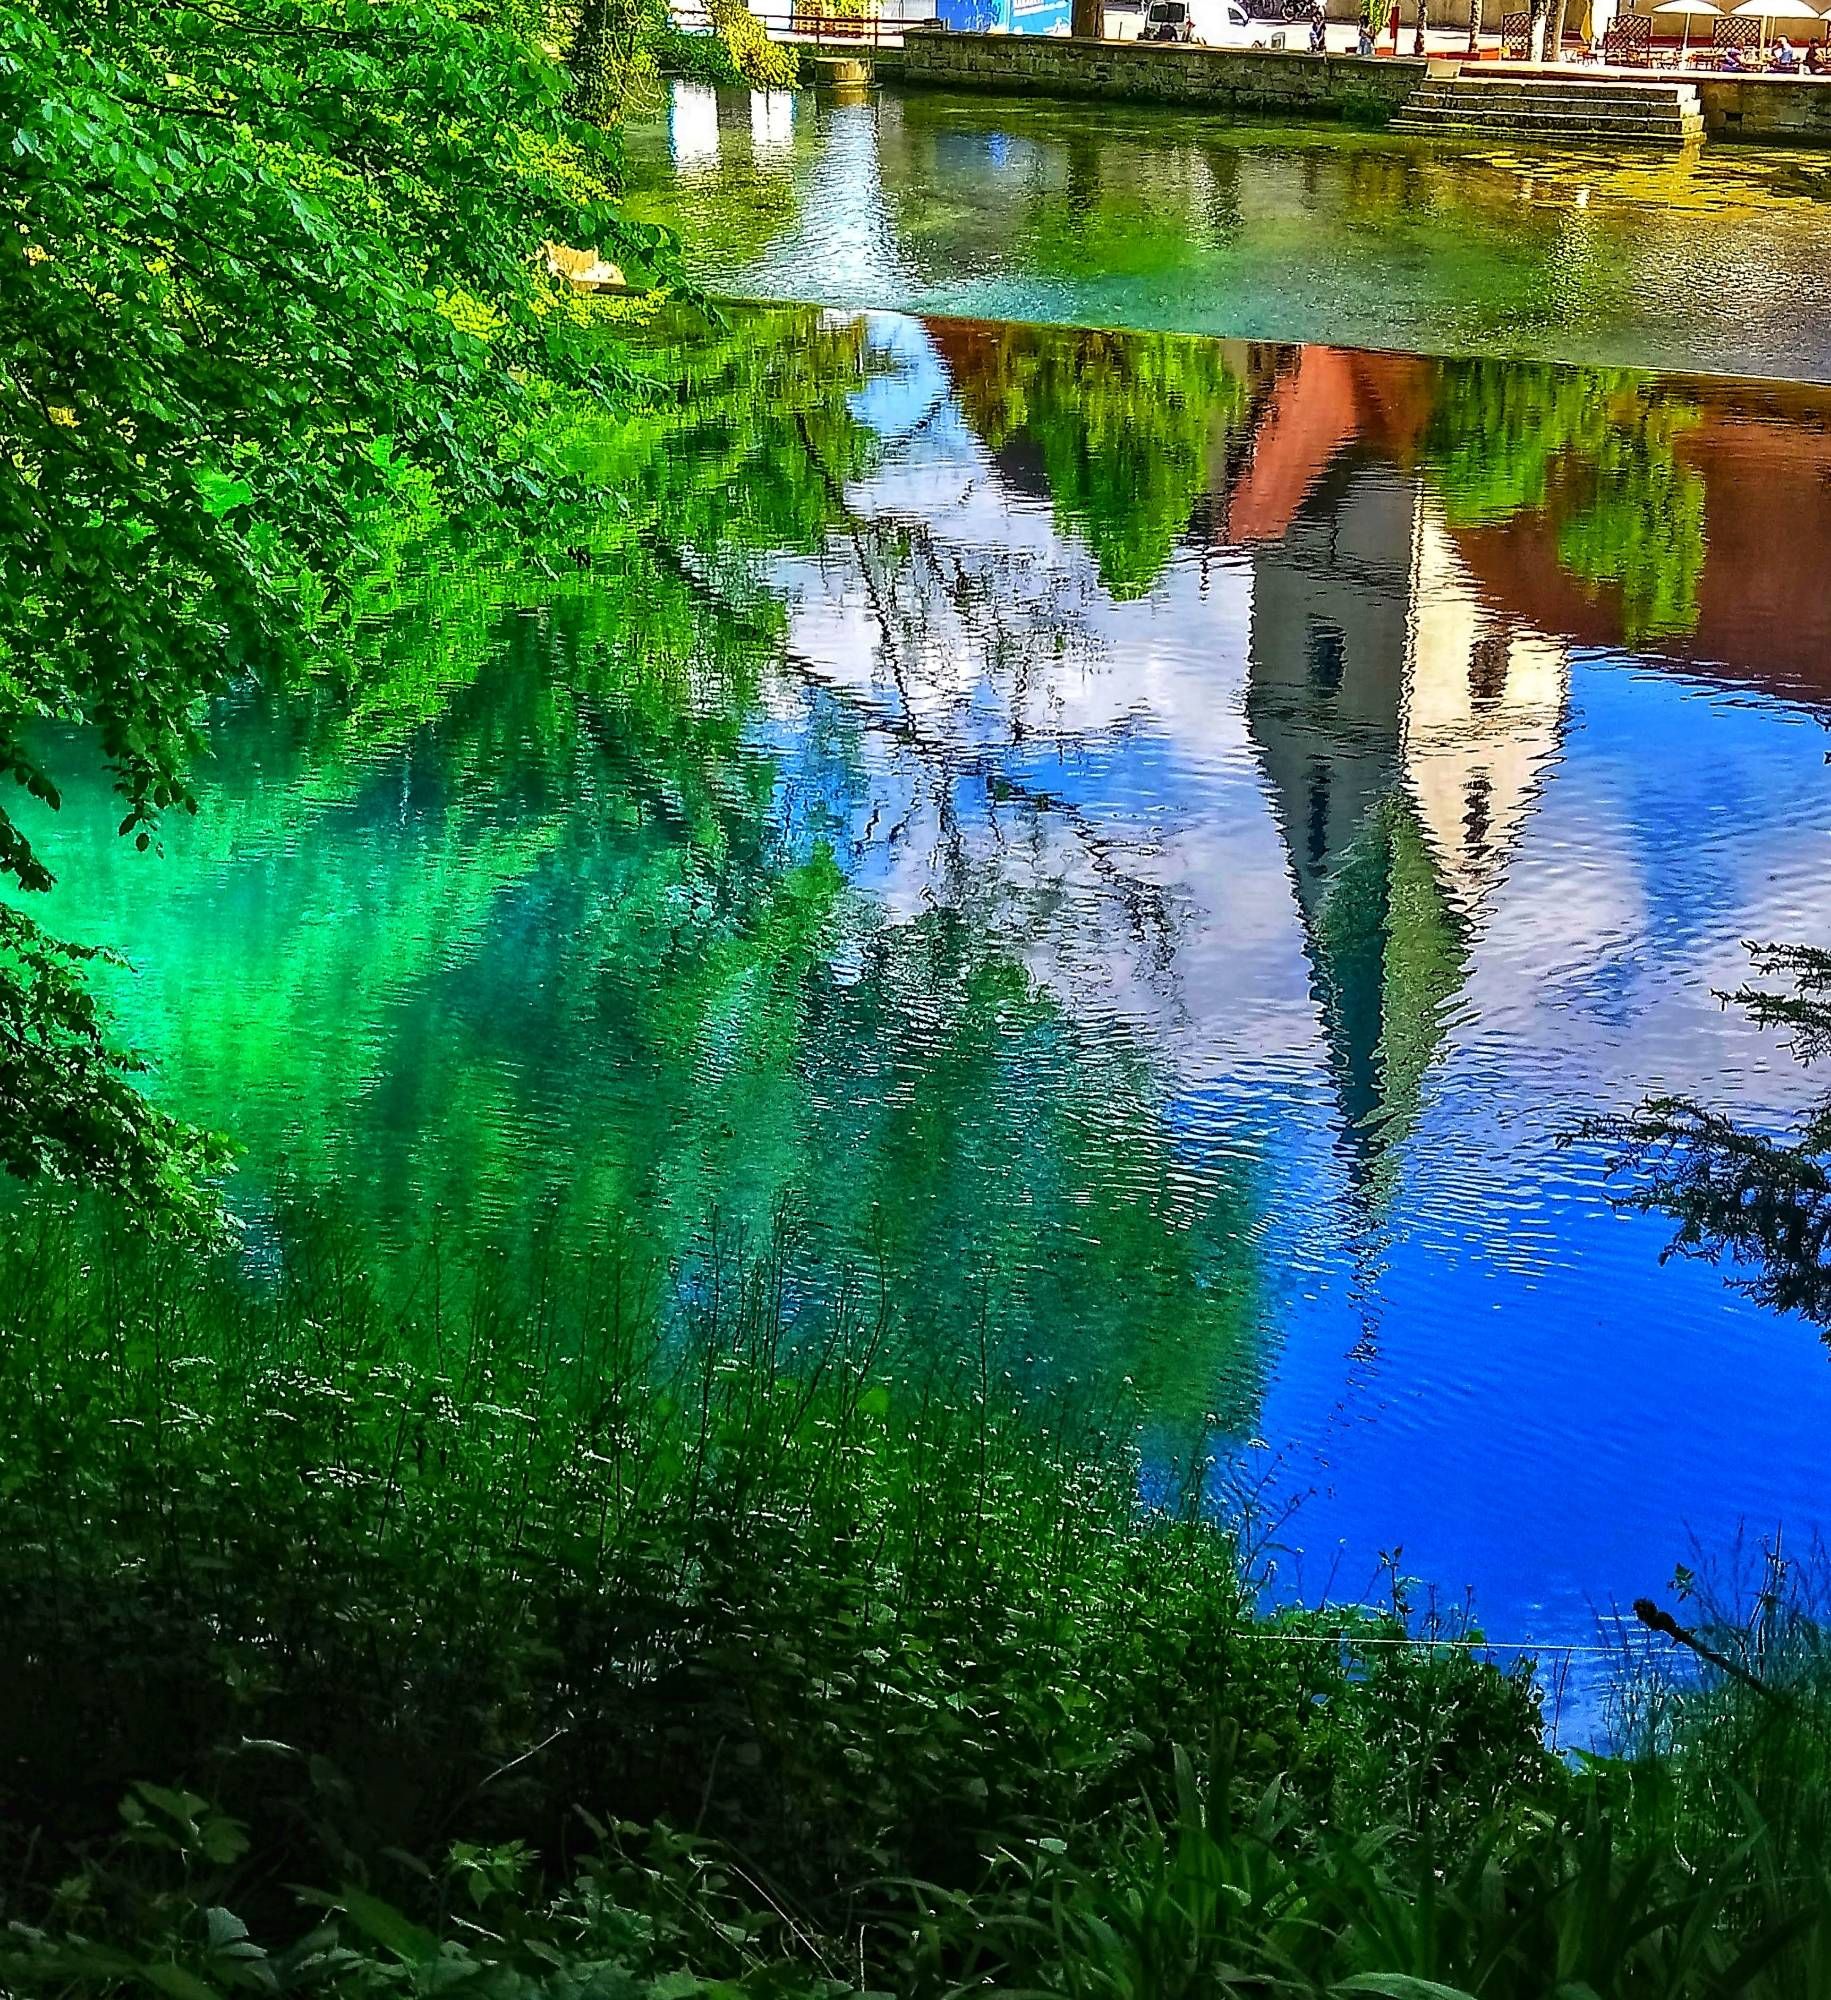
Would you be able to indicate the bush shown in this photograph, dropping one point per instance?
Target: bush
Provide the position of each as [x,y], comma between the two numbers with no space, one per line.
[736,51]
[745,1559]
[564,1560]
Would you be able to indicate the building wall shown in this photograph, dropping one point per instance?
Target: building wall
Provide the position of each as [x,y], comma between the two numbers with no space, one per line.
[1275,80]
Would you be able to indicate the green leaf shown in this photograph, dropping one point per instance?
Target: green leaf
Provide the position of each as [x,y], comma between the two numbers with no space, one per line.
[179,1984]
[387,1927]
[1400,1986]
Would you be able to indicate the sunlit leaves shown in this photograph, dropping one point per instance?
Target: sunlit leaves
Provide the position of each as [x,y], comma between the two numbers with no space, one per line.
[243,244]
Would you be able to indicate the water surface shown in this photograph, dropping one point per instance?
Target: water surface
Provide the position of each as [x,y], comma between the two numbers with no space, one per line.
[1111,215]
[1152,843]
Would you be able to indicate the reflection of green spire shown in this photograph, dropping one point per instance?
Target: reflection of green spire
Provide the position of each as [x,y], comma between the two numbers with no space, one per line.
[1387,955]
[1332,632]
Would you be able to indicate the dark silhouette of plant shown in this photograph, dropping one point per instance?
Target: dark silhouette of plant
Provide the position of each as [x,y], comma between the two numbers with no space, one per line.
[1764,1201]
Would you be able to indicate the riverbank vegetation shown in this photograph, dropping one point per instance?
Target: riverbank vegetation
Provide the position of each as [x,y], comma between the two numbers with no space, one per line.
[567,1630]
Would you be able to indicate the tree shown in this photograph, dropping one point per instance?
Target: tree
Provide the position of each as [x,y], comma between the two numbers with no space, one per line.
[1764,1201]
[270,274]
[1554,31]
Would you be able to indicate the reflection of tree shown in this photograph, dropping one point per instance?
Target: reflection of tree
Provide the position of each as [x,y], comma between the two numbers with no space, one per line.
[1388,955]
[1017,1167]
[1762,1200]
[522,928]
[1593,450]
[1121,427]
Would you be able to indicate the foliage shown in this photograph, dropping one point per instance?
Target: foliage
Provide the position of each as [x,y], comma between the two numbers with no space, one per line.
[69,1108]
[150,1913]
[1761,1199]
[759,62]
[727,1548]
[270,273]
[1124,426]
[1595,450]
[1217,1896]
[620,50]
[938,1705]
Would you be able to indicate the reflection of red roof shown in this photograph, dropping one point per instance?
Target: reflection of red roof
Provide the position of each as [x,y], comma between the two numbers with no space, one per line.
[1325,398]
[1763,452]
[1764,597]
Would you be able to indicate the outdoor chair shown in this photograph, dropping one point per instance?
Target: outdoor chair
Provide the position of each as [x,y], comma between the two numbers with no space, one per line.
[1515,35]
[1738,32]
[1627,41]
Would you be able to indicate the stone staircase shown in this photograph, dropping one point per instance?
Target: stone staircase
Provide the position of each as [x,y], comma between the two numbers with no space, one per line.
[1549,110]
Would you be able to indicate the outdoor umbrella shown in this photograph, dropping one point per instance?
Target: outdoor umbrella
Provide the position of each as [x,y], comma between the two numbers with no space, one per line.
[1777,10]
[1687,9]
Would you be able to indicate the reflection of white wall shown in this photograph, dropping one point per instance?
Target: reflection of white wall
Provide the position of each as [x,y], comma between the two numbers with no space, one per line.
[692,122]
[1484,706]
[772,121]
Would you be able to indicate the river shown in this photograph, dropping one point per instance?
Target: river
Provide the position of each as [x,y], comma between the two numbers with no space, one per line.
[1155,843]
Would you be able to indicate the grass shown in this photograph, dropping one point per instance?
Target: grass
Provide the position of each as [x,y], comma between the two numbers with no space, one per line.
[587,1634]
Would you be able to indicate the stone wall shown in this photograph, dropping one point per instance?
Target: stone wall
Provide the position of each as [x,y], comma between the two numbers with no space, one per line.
[1767,110]
[1285,82]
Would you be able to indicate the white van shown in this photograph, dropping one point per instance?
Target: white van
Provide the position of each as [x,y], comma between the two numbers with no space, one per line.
[1221,24]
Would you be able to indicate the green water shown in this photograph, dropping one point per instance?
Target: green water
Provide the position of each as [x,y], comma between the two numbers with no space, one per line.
[1110,215]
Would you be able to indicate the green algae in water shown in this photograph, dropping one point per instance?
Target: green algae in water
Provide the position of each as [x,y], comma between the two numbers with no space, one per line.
[1112,215]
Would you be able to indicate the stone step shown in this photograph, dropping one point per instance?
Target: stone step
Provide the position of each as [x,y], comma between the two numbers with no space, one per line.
[1677,121]
[1597,99]
[1546,135]
[1534,114]
[1575,93]
[1557,114]
[1431,94]
[1554,111]
[1567,78]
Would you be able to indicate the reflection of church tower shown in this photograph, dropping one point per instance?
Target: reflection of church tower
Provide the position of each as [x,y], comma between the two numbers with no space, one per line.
[1401,731]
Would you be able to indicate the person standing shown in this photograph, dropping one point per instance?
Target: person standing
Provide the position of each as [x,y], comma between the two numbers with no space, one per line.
[1392,26]
[1319,29]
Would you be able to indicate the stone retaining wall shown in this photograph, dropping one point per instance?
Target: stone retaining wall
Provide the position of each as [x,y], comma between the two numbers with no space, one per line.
[1767,110]
[1773,111]
[1285,82]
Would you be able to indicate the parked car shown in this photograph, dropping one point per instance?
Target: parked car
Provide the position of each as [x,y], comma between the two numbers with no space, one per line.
[1167,21]
[1221,24]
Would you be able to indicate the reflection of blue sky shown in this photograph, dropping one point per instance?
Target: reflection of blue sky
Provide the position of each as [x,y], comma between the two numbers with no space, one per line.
[1497,1372]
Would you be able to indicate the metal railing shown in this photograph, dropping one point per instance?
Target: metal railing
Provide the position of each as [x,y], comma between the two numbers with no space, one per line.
[810,27]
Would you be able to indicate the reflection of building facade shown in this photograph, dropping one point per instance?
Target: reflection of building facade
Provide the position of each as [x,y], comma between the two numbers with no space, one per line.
[1401,728]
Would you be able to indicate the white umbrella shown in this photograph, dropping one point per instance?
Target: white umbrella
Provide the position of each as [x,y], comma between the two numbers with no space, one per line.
[1688,9]
[1777,10]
